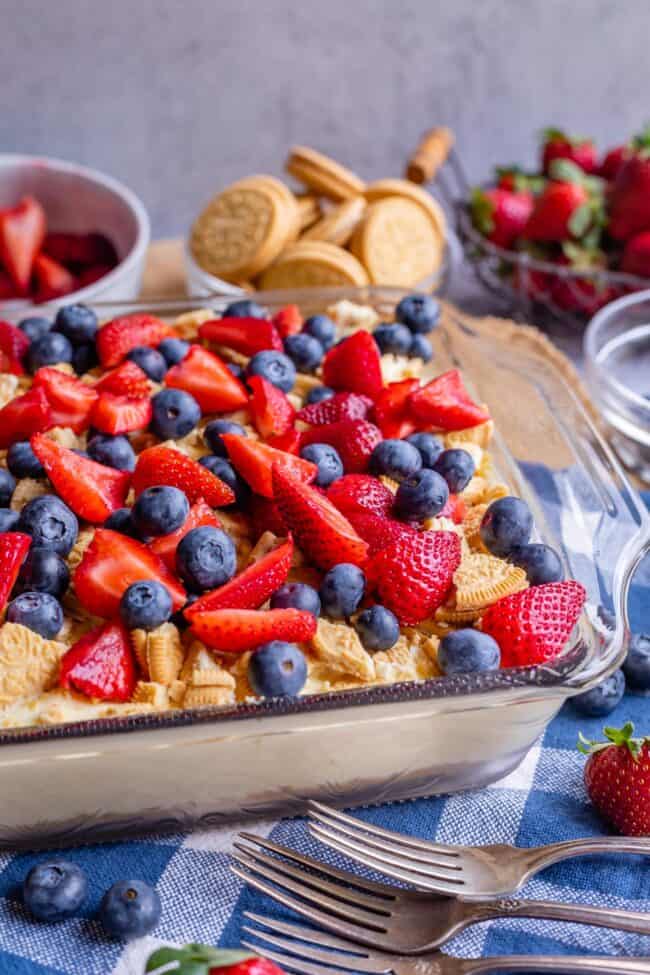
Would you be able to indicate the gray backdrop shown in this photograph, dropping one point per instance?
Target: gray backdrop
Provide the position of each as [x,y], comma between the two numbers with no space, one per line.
[178,97]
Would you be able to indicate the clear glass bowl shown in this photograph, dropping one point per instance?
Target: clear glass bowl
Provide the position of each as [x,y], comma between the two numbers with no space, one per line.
[373,744]
[617,363]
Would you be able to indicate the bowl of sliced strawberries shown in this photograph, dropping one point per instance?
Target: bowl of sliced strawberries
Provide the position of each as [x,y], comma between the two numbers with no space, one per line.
[66,233]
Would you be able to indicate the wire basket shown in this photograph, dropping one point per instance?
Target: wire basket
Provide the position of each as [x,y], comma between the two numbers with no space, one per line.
[528,286]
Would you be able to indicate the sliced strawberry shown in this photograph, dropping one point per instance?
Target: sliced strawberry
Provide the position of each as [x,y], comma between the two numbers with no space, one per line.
[288,320]
[165,465]
[255,460]
[165,545]
[53,280]
[245,335]
[121,414]
[455,508]
[8,289]
[91,274]
[250,588]
[238,630]
[341,406]
[377,530]
[354,440]
[92,490]
[209,380]
[128,379]
[23,416]
[391,412]
[71,401]
[14,546]
[533,626]
[13,346]
[354,492]
[354,365]
[270,408]
[110,564]
[100,664]
[414,574]
[289,442]
[266,516]
[445,403]
[22,230]
[87,250]
[116,338]
[322,532]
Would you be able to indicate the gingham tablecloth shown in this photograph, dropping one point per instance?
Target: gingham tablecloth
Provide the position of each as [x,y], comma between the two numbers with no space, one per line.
[542,801]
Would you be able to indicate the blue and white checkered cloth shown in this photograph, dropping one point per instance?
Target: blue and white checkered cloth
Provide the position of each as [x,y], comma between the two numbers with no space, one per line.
[541,802]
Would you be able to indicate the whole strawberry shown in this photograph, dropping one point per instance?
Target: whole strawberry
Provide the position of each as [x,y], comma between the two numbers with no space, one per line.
[629,203]
[561,212]
[636,255]
[617,779]
[557,144]
[501,214]
[533,626]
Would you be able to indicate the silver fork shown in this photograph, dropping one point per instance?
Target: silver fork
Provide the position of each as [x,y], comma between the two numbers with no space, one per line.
[385,917]
[484,871]
[331,955]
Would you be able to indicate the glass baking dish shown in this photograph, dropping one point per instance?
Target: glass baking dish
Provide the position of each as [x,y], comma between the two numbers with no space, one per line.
[114,777]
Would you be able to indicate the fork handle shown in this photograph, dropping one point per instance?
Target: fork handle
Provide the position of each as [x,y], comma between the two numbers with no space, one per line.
[632,921]
[578,964]
[543,856]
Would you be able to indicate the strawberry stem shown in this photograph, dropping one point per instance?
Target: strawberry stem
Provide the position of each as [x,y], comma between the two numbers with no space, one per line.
[621,737]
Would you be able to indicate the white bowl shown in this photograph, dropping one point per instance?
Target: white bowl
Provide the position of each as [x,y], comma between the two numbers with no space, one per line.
[201,284]
[81,200]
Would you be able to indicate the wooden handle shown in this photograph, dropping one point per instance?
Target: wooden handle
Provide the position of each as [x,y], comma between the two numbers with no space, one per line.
[435,146]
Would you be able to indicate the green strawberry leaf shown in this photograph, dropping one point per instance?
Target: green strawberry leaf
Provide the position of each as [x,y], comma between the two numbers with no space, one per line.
[565,171]
[482,212]
[642,140]
[193,959]
[551,134]
[580,220]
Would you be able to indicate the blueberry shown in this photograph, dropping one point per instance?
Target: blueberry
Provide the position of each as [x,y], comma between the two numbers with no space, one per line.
[420,313]
[468,652]
[43,571]
[206,558]
[429,446]
[274,366]
[9,520]
[601,699]
[130,909]
[145,605]
[35,327]
[327,460]
[50,523]
[392,339]
[85,358]
[173,351]
[396,459]
[150,361]
[296,595]
[237,371]
[23,462]
[540,562]
[114,452]
[245,308]
[122,521]
[341,590]
[7,486]
[78,323]
[222,469]
[160,510]
[54,889]
[506,523]
[277,669]
[637,665]
[422,495]
[378,628]
[39,611]
[319,393]
[304,350]
[457,467]
[175,414]
[420,348]
[51,348]
[322,328]
[214,430]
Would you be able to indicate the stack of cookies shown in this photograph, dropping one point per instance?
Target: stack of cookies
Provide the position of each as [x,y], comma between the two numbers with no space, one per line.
[335,231]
